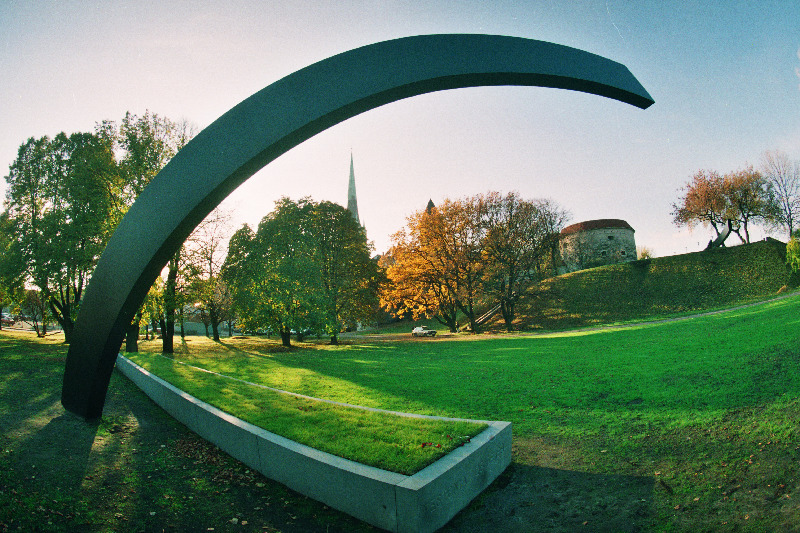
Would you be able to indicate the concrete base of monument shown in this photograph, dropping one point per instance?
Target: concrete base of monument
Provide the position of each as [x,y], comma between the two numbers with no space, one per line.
[422,502]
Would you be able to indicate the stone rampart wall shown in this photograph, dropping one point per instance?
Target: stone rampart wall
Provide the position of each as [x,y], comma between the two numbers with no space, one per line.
[597,247]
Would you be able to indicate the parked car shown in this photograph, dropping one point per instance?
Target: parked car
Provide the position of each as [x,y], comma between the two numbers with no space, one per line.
[6,320]
[423,331]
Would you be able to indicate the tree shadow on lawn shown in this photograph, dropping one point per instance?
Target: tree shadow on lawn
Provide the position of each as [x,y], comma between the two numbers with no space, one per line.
[530,498]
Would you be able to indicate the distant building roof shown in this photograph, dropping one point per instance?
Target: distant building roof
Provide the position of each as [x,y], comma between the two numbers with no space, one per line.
[602,223]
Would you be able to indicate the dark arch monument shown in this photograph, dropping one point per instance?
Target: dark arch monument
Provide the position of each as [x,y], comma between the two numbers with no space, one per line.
[271,122]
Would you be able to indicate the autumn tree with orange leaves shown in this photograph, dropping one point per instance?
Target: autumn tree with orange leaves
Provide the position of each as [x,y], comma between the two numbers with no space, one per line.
[415,288]
[467,256]
[735,200]
[435,266]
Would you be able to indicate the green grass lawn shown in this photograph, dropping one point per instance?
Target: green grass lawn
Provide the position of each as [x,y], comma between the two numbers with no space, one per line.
[562,384]
[702,405]
[703,412]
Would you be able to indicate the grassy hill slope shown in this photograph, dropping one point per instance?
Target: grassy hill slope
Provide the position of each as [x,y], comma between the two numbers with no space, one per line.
[658,287]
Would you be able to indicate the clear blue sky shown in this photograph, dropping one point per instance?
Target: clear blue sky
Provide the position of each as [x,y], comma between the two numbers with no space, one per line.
[724,76]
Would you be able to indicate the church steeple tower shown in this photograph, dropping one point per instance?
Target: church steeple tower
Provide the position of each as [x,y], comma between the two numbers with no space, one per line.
[352,202]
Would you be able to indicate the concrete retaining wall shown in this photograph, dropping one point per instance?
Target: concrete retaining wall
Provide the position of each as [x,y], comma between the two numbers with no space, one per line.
[395,502]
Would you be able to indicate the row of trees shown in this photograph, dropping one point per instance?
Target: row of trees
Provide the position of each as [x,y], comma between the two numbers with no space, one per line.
[190,281]
[306,267]
[466,255]
[733,202]
[65,196]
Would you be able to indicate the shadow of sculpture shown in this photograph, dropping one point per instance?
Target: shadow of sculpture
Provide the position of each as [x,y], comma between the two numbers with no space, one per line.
[74,439]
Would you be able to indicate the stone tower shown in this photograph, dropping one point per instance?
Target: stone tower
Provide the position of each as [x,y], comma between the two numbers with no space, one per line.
[352,202]
[596,243]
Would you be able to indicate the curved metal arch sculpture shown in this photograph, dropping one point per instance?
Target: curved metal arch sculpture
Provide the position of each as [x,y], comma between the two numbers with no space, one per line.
[271,122]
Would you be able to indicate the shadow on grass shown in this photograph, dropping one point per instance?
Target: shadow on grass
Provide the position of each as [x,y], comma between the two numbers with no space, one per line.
[66,438]
[135,470]
[530,498]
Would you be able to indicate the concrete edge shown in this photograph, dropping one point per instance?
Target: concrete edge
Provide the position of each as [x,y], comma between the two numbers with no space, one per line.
[422,502]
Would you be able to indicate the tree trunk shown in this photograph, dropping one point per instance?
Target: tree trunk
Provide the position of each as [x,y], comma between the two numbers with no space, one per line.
[446,320]
[168,331]
[470,312]
[214,319]
[132,336]
[167,343]
[335,340]
[286,337]
[507,309]
[507,302]
[62,314]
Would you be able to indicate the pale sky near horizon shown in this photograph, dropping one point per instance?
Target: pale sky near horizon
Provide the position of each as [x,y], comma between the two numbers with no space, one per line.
[725,77]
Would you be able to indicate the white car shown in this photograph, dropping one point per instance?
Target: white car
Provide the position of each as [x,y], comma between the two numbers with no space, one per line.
[423,331]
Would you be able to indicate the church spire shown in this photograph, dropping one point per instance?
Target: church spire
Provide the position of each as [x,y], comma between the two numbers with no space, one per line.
[352,203]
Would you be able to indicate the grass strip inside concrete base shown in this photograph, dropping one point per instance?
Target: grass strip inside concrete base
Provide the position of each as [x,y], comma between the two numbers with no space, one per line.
[398,442]
[422,502]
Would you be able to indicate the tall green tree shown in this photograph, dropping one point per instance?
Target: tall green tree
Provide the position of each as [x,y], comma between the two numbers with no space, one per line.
[349,278]
[276,285]
[11,283]
[307,266]
[61,200]
[148,143]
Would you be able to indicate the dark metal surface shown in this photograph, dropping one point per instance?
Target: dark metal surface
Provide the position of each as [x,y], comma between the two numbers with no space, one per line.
[271,122]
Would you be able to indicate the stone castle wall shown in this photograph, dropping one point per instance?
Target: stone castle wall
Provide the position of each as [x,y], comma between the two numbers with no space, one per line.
[591,244]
